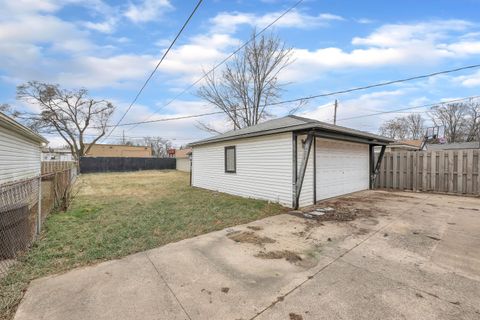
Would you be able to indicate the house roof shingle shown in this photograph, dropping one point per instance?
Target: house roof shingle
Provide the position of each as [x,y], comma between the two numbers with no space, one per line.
[287,124]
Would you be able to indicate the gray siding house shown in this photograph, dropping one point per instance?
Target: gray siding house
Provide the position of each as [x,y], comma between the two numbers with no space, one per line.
[292,160]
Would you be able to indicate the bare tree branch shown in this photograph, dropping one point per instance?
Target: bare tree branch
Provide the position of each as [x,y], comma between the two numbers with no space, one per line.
[401,128]
[453,118]
[248,84]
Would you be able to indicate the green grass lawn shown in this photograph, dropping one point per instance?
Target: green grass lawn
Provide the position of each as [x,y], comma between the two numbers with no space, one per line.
[116,214]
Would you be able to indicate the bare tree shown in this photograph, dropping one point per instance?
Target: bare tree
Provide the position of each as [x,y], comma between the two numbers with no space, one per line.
[414,123]
[248,84]
[453,117]
[401,128]
[159,146]
[70,113]
[473,121]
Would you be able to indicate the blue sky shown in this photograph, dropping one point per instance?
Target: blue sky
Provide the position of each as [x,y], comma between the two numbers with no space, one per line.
[110,48]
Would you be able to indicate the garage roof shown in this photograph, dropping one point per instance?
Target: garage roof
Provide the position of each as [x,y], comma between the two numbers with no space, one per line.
[287,124]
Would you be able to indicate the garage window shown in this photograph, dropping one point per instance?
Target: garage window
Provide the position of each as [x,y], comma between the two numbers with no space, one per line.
[230,159]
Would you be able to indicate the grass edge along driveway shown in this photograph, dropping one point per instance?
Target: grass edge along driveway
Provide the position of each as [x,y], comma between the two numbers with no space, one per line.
[117,214]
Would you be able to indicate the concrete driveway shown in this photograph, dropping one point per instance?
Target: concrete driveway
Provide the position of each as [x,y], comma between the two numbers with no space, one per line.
[384,256]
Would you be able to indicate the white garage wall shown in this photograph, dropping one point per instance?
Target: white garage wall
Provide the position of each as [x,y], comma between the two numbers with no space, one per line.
[19,156]
[183,164]
[342,167]
[264,168]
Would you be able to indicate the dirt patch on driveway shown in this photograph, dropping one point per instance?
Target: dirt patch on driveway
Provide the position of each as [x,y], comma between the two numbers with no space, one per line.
[249,237]
[335,211]
[294,316]
[290,256]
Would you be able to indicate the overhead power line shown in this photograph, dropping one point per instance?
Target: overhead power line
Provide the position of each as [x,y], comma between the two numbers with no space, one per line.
[409,108]
[126,137]
[381,84]
[368,115]
[156,67]
[221,62]
[312,96]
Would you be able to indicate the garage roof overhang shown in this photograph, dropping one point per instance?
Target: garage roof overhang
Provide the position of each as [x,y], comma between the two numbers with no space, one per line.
[321,133]
[297,124]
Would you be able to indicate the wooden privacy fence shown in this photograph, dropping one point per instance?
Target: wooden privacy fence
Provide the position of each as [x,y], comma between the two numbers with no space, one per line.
[55,166]
[449,171]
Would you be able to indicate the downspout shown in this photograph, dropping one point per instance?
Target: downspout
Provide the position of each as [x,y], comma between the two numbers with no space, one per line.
[314,170]
[191,166]
[371,164]
[294,169]
[301,175]
[377,166]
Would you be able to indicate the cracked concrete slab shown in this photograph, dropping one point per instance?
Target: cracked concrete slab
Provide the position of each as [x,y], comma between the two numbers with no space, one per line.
[406,256]
[128,288]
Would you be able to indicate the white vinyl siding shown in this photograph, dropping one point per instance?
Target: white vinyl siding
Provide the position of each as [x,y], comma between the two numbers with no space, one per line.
[19,156]
[342,167]
[263,168]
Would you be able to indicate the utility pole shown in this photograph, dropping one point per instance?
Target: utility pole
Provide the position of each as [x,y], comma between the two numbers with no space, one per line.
[123,138]
[335,112]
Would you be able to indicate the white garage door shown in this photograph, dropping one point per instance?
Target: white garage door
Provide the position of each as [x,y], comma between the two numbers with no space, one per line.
[342,167]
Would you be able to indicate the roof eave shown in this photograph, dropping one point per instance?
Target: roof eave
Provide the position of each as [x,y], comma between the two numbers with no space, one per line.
[13,125]
[373,139]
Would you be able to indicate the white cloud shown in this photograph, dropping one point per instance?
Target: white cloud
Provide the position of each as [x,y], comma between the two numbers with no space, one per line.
[38,29]
[364,21]
[471,80]
[148,10]
[28,6]
[389,45]
[396,35]
[187,62]
[228,22]
[113,71]
[107,26]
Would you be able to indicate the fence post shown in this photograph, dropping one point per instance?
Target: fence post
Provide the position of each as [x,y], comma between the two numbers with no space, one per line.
[39,211]
[469,171]
[460,172]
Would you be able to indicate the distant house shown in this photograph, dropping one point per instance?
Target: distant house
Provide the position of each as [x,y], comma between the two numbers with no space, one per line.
[116,150]
[57,154]
[405,145]
[20,151]
[292,160]
[183,157]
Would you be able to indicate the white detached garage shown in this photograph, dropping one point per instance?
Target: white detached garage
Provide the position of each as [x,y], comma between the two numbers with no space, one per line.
[292,160]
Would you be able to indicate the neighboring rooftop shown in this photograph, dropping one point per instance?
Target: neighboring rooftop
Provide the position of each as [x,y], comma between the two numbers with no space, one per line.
[454,146]
[411,143]
[183,153]
[287,124]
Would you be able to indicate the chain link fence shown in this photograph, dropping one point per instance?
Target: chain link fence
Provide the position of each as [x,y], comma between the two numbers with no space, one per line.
[24,206]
